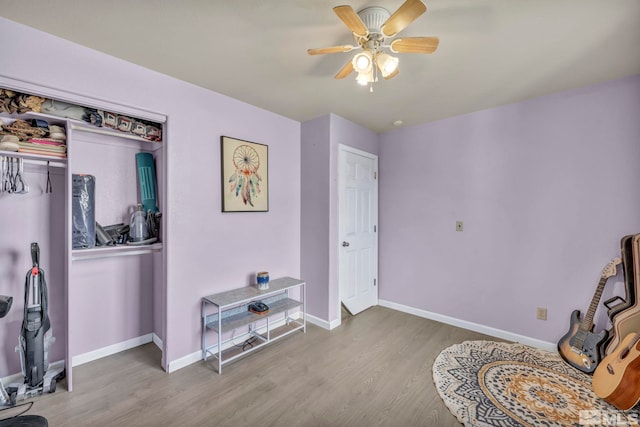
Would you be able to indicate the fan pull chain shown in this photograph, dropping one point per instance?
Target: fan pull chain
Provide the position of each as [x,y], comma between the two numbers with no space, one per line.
[374,72]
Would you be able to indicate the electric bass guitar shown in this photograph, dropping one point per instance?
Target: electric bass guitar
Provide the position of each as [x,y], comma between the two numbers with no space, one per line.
[617,377]
[581,347]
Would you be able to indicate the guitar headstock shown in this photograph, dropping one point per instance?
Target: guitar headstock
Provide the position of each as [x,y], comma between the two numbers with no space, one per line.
[610,269]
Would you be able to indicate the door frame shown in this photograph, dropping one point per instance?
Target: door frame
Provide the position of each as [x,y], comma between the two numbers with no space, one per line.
[342,150]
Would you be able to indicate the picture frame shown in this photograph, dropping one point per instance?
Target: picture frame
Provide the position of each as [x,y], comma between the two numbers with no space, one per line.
[245,175]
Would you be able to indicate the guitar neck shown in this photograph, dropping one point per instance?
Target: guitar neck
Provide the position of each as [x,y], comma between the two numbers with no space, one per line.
[588,318]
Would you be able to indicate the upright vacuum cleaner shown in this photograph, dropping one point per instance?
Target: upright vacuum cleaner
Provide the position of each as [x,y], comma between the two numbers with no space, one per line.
[36,337]
[18,420]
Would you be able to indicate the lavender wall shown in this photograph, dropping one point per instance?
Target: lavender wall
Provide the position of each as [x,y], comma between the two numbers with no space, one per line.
[207,251]
[314,223]
[320,141]
[546,188]
[348,133]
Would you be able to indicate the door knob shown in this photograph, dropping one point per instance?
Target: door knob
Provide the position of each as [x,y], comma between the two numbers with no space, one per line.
[345,244]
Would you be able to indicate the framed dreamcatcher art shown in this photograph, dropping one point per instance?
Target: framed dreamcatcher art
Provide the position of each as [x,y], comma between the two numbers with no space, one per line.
[245,171]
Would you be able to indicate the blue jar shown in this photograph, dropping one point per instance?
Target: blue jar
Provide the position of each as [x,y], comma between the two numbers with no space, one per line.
[263,280]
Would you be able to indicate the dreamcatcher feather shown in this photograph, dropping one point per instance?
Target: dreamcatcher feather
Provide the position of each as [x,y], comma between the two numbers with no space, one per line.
[245,181]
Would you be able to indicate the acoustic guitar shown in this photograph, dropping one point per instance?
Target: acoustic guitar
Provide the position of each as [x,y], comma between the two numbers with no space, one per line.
[580,346]
[617,377]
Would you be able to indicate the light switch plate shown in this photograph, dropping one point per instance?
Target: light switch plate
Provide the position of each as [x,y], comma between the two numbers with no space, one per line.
[541,313]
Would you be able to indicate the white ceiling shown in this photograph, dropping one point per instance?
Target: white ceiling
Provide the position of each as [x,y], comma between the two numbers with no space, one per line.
[491,52]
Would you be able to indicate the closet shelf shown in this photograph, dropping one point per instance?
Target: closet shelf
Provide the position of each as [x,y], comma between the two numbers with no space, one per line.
[142,143]
[113,251]
[79,125]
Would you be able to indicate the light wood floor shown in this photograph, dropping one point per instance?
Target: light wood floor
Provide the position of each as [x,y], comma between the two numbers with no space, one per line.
[373,370]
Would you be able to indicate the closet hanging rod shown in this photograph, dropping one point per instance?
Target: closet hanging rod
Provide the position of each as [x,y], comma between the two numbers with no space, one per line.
[53,162]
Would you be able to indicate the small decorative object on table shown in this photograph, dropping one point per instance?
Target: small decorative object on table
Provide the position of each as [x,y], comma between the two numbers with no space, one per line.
[258,308]
[263,280]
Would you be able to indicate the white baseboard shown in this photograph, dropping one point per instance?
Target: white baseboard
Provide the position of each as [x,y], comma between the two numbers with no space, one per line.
[323,323]
[13,378]
[90,356]
[157,341]
[476,327]
[187,360]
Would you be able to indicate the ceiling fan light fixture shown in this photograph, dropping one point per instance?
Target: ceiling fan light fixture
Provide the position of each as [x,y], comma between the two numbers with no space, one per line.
[370,27]
[362,62]
[387,64]
[365,77]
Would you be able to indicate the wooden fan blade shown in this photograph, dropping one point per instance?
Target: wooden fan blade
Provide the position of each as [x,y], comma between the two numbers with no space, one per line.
[345,71]
[401,18]
[351,20]
[332,49]
[415,45]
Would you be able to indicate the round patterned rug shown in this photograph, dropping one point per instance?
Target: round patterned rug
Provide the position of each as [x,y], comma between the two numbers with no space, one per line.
[486,383]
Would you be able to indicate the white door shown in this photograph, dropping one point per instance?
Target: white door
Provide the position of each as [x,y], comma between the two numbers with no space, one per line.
[358,223]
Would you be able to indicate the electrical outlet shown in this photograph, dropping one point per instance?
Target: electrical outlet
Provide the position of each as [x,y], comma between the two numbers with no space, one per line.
[459,226]
[541,313]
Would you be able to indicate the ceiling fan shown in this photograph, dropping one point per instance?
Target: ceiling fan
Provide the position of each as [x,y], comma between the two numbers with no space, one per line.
[370,27]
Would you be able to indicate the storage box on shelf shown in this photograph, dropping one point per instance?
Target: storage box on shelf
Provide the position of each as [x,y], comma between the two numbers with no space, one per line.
[225,312]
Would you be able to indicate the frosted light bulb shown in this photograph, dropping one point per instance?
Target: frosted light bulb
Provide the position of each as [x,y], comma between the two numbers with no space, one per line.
[362,62]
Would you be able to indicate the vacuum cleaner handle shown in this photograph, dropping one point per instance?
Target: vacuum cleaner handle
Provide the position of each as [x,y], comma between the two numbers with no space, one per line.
[35,254]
